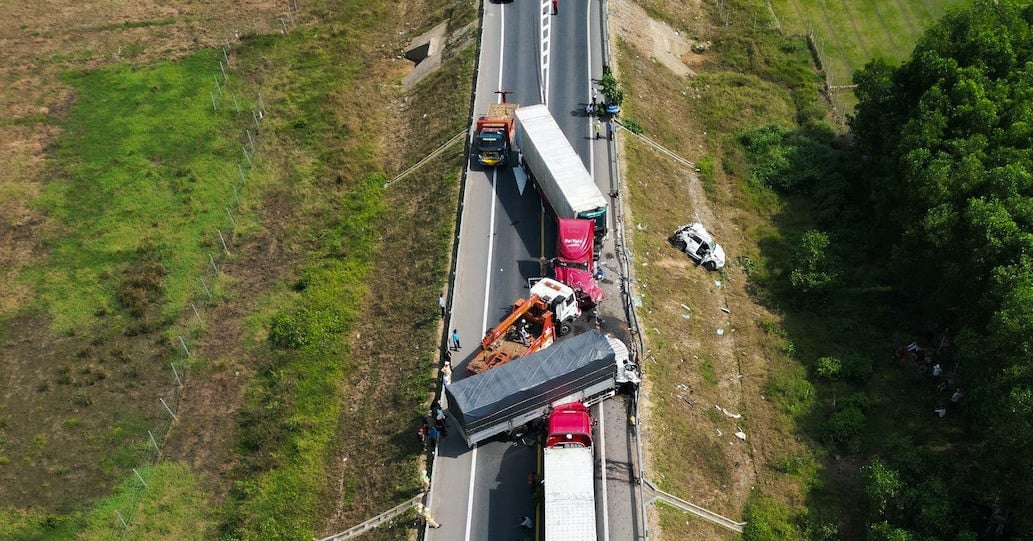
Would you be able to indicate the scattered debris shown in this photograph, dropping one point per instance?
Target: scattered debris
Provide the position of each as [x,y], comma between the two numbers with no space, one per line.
[687,309]
[717,283]
[720,332]
[728,413]
[686,317]
[726,310]
[740,434]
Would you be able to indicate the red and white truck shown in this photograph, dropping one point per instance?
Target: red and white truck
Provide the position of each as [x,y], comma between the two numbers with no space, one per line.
[568,475]
[575,263]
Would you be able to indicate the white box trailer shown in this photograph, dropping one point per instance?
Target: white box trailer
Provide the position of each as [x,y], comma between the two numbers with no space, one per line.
[556,169]
[569,479]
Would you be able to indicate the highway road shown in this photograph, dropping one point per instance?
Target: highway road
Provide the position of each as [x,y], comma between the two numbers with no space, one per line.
[481,493]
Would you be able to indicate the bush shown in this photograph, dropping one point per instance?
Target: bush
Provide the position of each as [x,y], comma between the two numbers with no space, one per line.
[286,332]
[828,368]
[843,427]
[884,531]
[858,401]
[767,519]
[857,369]
[632,125]
[817,269]
[881,486]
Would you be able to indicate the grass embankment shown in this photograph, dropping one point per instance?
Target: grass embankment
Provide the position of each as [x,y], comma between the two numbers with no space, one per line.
[140,178]
[173,506]
[294,298]
[696,368]
[809,428]
[324,434]
[143,174]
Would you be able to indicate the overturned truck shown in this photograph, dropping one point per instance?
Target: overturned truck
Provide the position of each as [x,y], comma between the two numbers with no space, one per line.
[587,368]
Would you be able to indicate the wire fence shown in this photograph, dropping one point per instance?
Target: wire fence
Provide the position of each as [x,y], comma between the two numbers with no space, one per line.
[250,113]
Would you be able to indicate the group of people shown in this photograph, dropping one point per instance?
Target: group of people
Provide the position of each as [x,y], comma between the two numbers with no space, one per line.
[927,366]
[599,110]
[433,426]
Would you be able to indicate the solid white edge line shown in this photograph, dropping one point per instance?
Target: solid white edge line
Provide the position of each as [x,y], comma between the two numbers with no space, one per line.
[602,471]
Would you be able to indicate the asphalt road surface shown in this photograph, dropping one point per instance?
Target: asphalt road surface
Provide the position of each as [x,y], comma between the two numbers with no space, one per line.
[482,493]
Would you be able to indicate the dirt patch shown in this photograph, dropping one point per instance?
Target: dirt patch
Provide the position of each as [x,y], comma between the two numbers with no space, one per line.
[75,410]
[671,47]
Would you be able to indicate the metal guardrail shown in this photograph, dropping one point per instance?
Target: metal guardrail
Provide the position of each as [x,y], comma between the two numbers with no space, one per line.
[427,158]
[378,520]
[700,512]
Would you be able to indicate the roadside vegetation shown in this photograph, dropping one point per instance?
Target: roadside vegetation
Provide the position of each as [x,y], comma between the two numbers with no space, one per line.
[315,353]
[844,246]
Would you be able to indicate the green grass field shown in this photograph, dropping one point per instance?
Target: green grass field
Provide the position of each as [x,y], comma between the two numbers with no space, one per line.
[849,33]
[142,176]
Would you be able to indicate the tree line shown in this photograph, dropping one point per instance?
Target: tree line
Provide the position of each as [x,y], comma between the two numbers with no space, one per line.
[931,197]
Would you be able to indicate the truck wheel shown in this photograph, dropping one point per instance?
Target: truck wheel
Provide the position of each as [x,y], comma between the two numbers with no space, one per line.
[565,328]
[710,265]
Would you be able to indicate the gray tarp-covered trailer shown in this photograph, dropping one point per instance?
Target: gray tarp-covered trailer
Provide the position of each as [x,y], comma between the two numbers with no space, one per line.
[585,368]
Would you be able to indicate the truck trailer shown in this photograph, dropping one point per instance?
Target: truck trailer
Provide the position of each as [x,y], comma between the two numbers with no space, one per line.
[558,173]
[587,368]
[568,475]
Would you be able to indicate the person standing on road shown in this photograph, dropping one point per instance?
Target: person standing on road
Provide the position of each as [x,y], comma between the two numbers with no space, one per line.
[595,97]
[441,303]
[610,127]
[555,7]
[455,339]
[433,437]
[598,128]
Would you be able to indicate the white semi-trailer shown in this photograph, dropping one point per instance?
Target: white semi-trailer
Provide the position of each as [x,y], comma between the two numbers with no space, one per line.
[557,171]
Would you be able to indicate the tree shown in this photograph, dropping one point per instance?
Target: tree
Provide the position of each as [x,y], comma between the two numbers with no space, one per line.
[948,140]
[816,269]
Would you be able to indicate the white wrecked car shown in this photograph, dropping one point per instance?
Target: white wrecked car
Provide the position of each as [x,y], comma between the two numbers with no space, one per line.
[693,239]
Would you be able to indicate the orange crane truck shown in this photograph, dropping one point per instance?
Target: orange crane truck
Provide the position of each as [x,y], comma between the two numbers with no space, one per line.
[532,325]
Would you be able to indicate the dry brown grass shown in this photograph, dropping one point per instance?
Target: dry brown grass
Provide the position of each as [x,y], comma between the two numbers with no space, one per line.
[693,371]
